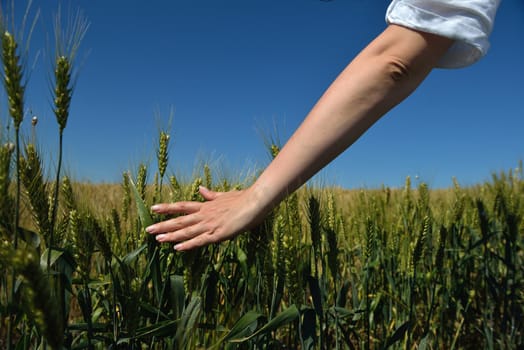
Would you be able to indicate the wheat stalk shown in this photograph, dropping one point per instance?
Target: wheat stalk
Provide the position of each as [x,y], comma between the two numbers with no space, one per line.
[66,46]
[15,95]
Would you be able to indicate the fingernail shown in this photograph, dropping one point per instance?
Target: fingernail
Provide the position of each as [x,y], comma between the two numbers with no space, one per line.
[150,229]
[155,207]
[160,238]
[178,246]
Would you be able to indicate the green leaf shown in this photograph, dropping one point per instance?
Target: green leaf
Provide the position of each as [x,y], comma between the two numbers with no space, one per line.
[342,294]
[151,311]
[342,312]
[399,333]
[55,254]
[130,257]
[97,313]
[177,294]
[63,264]
[245,325]
[29,236]
[314,288]
[309,324]
[423,345]
[288,315]
[242,259]
[84,301]
[188,320]
[159,329]
[83,327]
[375,302]
[143,212]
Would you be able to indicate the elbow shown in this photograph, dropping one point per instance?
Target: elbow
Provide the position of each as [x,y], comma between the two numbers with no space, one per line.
[397,70]
[401,73]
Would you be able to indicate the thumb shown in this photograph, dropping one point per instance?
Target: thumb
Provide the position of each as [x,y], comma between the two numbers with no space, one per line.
[207,193]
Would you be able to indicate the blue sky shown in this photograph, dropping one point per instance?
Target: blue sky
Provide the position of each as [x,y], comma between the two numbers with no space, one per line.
[232,71]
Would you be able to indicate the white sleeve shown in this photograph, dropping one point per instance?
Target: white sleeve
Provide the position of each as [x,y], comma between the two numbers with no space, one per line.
[469,22]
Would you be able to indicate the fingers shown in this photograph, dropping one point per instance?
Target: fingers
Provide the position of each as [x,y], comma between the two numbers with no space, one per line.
[185,234]
[201,223]
[176,208]
[185,207]
[176,230]
[173,225]
[190,230]
[197,242]
[181,228]
[207,193]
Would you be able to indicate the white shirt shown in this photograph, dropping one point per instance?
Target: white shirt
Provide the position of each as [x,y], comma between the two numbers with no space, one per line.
[469,22]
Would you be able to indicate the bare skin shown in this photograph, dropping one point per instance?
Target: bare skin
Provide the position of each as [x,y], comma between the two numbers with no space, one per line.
[387,71]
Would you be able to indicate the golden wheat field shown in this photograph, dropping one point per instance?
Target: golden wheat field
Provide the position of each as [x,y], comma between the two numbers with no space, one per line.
[329,268]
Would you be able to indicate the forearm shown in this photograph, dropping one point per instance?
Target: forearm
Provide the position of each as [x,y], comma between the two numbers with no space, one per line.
[379,78]
[386,72]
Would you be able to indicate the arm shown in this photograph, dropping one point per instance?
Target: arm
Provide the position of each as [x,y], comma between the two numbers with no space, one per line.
[380,77]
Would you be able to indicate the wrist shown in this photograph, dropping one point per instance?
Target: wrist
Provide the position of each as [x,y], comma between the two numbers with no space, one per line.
[262,198]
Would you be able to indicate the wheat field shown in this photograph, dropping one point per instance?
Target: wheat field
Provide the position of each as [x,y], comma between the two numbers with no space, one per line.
[406,268]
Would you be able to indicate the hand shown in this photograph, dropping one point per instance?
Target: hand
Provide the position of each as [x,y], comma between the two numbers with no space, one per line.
[223,216]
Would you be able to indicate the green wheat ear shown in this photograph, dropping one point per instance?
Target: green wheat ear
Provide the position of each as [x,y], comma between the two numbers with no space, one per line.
[67,43]
[314,219]
[208,179]
[68,194]
[274,150]
[13,75]
[126,196]
[6,205]
[36,186]
[141,180]
[63,90]
[162,153]
[102,241]
[176,190]
[419,249]
[194,193]
[138,191]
